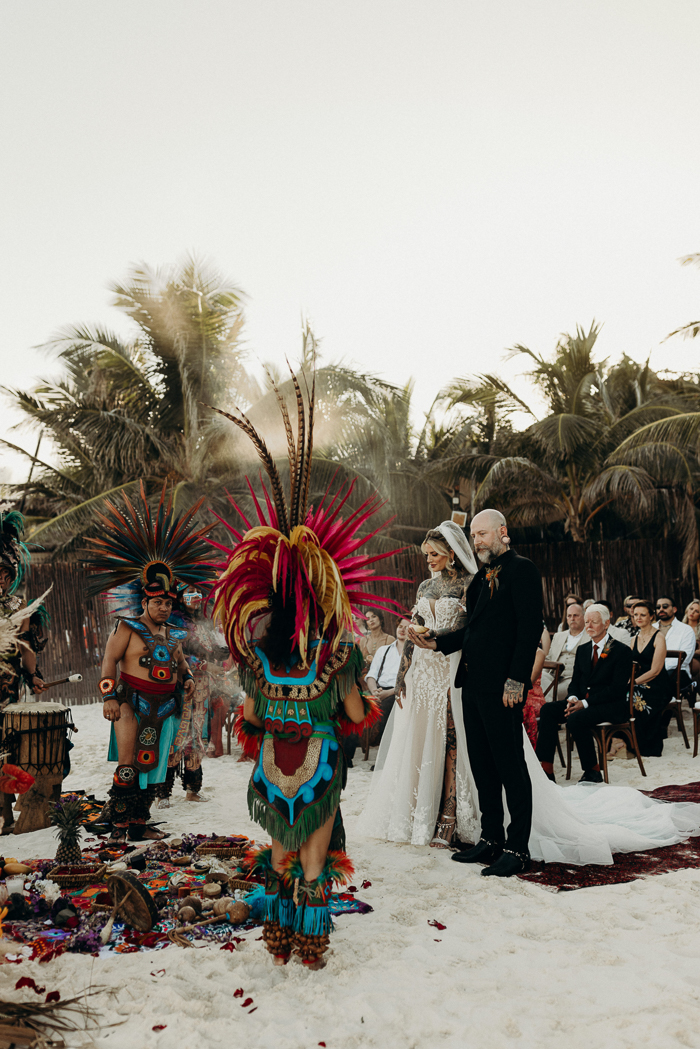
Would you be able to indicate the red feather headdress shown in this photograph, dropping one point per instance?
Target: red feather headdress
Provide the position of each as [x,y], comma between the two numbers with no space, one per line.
[305,554]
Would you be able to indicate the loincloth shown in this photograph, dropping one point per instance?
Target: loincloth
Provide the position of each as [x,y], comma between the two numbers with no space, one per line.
[153,703]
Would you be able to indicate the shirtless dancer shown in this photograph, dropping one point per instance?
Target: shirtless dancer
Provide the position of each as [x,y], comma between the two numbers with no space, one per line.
[147,558]
[150,659]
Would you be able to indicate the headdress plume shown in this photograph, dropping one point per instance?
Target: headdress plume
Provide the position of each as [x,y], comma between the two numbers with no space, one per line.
[140,553]
[296,553]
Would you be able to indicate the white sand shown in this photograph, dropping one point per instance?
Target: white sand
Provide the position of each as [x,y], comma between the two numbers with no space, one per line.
[517,965]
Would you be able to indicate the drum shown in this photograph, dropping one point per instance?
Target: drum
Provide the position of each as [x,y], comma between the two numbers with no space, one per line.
[34,737]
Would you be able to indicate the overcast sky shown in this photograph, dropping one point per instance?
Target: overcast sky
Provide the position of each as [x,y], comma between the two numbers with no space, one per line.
[428,182]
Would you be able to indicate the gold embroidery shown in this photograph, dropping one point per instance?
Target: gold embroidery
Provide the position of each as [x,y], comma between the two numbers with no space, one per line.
[289,785]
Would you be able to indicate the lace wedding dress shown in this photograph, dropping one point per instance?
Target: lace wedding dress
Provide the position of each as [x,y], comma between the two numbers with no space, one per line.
[407,785]
[579,824]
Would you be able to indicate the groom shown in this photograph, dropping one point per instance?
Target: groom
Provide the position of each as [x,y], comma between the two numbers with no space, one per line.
[504,625]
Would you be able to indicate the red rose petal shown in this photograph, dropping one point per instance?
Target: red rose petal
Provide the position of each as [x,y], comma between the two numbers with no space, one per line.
[365,885]
[158,972]
[24,981]
[437,925]
[159,1027]
[351,888]
[53,996]
[238,993]
[252,1010]
[246,1003]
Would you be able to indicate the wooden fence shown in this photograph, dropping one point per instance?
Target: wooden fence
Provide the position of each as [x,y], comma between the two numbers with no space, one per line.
[610,570]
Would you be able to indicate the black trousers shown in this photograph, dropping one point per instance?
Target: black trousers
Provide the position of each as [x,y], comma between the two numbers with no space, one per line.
[495,744]
[580,725]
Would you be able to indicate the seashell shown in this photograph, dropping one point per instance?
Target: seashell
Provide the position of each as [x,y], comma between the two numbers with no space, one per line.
[187,914]
[175,843]
[180,861]
[238,911]
[16,868]
[201,866]
[212,889]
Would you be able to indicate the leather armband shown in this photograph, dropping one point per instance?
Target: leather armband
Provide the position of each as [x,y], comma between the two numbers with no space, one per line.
[108,688]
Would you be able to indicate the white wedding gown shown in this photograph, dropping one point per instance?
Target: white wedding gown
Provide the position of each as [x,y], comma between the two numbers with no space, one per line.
[584,823]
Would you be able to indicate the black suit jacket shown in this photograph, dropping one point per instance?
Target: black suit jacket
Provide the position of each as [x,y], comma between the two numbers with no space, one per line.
[607,681]
[503,627]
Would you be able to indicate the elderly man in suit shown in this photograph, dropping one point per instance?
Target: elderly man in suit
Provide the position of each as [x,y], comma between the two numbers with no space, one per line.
[597,692]
[498,646]
[563,650]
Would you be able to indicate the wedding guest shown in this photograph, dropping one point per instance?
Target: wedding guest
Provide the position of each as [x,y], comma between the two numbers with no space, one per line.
[617,632]
[569,600]
[692,618]
[679,637]
[563,650]
[652,685]
[376,636]
[381,678]
[535,698]
[626,622]
[598,692]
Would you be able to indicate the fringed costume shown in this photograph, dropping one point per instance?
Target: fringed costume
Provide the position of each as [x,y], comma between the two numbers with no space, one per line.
[139,556]
[295,579]
[204,652]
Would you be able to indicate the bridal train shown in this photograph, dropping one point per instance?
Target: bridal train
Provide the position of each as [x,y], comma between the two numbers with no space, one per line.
[579,824]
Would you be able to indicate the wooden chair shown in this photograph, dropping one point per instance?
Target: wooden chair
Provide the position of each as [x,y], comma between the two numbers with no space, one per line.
[604,732]
[675,704]
[556,671]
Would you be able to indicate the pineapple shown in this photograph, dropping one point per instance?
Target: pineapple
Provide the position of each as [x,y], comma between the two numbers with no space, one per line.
[66,817]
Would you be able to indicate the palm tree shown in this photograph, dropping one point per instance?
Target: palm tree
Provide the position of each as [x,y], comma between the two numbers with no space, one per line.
[567,466]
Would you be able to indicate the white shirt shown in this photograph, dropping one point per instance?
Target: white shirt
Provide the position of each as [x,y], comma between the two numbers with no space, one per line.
[573,640]
[599,645]
[680,637]
[390,668]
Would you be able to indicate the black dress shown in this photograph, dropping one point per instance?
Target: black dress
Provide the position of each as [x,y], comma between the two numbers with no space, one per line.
[650,701]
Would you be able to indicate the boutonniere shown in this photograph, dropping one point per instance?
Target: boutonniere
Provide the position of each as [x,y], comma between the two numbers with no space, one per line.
[606,651]
[492,578]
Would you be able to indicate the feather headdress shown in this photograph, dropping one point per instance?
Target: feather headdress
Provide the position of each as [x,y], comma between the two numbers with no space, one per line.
[14,555]
[296,553]
[145,554]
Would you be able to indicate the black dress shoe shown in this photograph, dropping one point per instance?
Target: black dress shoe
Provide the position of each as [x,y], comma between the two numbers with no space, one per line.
[550,775]
[507,864]
[591,777]
[482,852]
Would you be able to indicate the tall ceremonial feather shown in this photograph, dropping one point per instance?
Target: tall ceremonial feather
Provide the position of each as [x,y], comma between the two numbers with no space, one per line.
[305,555]
[141,549]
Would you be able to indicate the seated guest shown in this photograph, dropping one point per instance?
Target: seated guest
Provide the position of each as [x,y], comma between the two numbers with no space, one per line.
[534,701]
[381,678]
[626,622]
[570,599]
[563,650]
[376,636]
[692,618]
[617,632]
[679,637]
[598,692]
[652,685]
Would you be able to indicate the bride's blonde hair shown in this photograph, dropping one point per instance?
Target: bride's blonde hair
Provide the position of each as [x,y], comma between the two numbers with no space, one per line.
[438,542]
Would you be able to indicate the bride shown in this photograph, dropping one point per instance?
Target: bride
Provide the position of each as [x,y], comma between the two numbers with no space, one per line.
[423,755]
[419,763]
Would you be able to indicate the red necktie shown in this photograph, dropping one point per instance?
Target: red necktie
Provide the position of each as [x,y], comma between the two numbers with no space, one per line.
[595,654]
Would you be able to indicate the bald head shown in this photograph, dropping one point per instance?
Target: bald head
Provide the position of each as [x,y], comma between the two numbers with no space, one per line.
[489,534]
